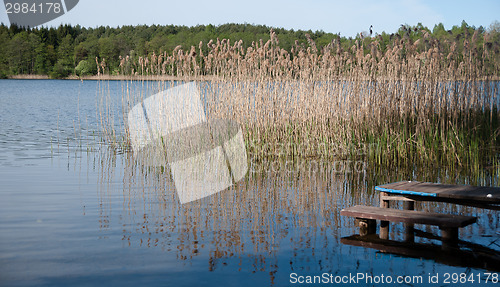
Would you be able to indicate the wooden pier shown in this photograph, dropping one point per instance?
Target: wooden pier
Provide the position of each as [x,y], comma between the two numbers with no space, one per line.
[409,192]
[477,196]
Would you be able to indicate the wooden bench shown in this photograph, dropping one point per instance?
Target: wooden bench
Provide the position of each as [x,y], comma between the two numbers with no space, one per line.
[367,216]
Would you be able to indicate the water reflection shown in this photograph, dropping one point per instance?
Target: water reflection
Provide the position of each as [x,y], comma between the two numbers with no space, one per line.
[251,220]
[73,208]
[275,220]
[465,254]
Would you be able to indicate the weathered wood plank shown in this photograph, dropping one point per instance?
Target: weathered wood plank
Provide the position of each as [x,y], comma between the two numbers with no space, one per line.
[395,198]
[465,192]
[467,202]
[408,216]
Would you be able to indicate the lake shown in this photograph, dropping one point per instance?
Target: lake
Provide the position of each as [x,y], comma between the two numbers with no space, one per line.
[77,212]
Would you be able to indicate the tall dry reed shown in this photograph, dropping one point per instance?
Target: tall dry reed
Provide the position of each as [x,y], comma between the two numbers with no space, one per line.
[412,102]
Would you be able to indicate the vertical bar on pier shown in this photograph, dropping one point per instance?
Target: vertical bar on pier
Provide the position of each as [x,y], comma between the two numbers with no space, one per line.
[367,226]
[449,237]
[409,227]
[384,225]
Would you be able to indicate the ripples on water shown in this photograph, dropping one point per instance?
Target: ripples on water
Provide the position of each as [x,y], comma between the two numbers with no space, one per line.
[76,212]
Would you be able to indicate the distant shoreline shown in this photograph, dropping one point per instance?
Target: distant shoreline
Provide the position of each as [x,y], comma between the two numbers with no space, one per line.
[152,78]
[109,78]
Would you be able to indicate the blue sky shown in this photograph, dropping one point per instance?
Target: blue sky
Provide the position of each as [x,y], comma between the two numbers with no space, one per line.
[345,17]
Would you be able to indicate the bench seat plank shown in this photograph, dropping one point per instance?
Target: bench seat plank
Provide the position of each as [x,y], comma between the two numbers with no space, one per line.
[408,216]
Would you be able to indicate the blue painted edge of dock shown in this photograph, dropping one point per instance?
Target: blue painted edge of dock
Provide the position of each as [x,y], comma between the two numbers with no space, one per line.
[404,192]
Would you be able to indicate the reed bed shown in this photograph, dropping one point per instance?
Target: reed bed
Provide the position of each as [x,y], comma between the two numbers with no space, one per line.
[412,102]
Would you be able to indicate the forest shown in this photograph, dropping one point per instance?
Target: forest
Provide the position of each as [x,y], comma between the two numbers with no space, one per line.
[78,51]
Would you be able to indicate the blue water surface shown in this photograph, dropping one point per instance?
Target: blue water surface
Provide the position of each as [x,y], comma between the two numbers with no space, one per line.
[77,212]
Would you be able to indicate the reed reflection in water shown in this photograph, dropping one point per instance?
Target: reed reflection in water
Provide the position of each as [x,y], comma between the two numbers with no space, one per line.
[277,220]
[253,218]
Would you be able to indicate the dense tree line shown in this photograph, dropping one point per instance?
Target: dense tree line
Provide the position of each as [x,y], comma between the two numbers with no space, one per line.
[67,50]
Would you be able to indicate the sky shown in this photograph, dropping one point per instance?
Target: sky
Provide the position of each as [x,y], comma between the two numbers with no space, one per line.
[345,17]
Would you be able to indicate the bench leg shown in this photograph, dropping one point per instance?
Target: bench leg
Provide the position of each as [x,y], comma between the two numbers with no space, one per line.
[449,236]
[367,226]
[384,225]
[409,227]
[384,230]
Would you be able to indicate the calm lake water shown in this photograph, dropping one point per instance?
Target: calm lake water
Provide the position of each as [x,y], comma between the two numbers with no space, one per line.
[75,212]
